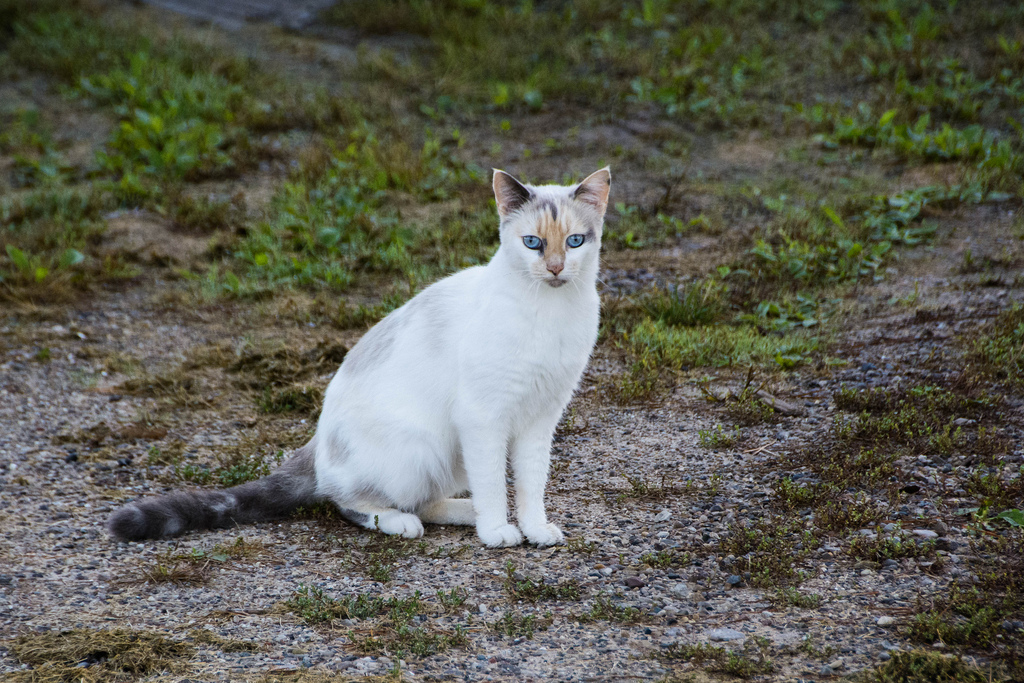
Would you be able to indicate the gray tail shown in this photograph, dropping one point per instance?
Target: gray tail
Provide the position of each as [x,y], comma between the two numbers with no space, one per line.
[290,486]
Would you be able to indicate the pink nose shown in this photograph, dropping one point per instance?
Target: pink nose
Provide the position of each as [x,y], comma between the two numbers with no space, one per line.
[555,268]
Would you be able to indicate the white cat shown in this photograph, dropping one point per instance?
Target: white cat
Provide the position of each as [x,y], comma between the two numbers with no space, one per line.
[471,374]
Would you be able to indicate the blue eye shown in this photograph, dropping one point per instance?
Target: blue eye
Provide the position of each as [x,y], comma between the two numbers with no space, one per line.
[531,242]
[575,240]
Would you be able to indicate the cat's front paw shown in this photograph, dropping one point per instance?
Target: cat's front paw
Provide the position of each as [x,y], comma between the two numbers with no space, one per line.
[545,535]
[500,537]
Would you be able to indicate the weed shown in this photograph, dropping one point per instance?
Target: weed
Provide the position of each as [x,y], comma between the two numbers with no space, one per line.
[718,437]
[719,660]
[524,588]
[920,666]
[663,559]
[791,597]
[1000,346]
[513,625]
[454,599]
[641,488]
[580,546]
[769,551]
[893,547]
[607,609]
[792,496]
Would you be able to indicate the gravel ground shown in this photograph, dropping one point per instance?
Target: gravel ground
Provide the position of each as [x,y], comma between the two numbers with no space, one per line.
[101,401]
[60,481]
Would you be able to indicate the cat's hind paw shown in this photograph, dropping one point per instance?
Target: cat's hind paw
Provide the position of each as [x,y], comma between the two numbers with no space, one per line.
[500,537]
[545,535]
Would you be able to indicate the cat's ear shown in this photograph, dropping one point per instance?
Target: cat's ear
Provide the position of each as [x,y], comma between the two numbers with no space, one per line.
[509,193]
[595,188]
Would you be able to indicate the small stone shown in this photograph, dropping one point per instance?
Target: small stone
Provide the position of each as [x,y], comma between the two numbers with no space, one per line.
[1012,626]
[607,571]
[681,590]
[885,656]
[735,581]
[825,670]
[885,621]
[837,664]
[663,516]
[634,582]
[924,533]
[939,527]
[482,608]
[724,634]
[867,564]
[890,564]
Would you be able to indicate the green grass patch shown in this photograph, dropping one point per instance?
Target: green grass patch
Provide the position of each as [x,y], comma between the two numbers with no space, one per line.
[524,588]
[769,551]
[745,664]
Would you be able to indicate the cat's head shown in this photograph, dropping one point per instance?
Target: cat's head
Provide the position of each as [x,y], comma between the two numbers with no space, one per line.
[552,231]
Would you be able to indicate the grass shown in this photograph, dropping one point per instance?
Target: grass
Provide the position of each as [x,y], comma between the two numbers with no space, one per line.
[922,666]
[718,437]
[607,608]
[109,655]
[769,551]
[395,634]
[742,665]
[791,597]
[516,626]
[999,349]
[523,588]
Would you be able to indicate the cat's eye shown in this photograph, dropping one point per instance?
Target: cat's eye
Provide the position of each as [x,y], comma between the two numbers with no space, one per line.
[531,242]
[575,240]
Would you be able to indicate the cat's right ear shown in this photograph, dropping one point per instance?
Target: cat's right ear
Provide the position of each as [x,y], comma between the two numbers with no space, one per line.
[509,193]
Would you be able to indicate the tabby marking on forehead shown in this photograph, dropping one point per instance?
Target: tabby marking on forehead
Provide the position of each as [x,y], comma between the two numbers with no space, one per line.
[552,231]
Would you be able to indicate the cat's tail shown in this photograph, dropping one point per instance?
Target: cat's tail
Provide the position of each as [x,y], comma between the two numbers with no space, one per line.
[290,486]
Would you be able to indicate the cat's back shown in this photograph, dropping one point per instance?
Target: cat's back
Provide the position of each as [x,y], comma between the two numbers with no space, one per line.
[423,328]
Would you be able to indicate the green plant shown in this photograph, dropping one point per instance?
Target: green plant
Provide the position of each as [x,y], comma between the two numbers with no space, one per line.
[530,590]
[718,437]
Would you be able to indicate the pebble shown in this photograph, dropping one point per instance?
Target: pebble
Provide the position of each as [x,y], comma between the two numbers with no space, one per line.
[924,533]
[681,590]
[635,582]
[663,516]
[724,634]
[885,621]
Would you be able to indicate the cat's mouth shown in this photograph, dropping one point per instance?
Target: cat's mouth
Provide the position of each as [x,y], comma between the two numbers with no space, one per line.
[555,282]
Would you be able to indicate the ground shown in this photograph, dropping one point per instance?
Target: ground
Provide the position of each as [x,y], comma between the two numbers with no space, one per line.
[795,453]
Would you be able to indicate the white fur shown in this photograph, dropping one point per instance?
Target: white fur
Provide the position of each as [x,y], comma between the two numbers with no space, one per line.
[471,374]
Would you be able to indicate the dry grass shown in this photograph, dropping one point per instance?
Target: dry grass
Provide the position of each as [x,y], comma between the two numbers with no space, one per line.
[116,655]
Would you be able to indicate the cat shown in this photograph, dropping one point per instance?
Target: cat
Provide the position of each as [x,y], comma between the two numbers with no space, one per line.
[441,395]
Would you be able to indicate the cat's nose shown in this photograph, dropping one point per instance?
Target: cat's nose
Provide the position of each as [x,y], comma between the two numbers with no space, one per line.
[555,268]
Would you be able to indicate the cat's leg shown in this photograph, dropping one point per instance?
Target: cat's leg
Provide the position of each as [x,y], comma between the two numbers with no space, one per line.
[449,511]
[483,456]
[390,521]
[531,460]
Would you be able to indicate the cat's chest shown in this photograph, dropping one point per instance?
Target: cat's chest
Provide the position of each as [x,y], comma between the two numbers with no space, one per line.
[535,344]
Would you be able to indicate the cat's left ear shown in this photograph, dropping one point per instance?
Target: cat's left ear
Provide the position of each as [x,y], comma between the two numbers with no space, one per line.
[594,189]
